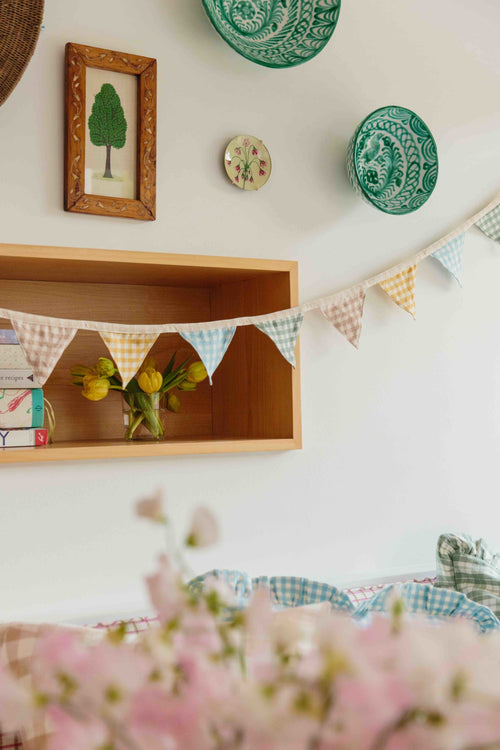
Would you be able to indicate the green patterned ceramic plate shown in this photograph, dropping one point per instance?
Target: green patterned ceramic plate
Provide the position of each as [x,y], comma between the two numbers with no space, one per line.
[392,160]
[275,33]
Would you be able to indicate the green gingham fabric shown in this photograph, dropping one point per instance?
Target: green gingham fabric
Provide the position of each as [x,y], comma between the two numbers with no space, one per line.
[434,603]
[470,567]
[284,333]
[490,224]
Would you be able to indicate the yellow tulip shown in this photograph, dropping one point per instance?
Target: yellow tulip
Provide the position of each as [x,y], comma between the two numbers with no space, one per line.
[105,368]
[196,372]
[173,403]
[150,382]
[78,372]
[95,388]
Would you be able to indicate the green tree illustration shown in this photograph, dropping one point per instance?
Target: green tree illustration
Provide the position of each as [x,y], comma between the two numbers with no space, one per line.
[107,123]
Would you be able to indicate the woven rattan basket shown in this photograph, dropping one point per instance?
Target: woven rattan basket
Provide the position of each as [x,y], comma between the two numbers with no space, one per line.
[20,22]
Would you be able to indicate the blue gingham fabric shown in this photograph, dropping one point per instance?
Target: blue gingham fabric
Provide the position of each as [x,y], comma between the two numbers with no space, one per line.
[284,333]
[451,256]
[490,224]
[211,346]
[290,591]
[434,603]
[285,591]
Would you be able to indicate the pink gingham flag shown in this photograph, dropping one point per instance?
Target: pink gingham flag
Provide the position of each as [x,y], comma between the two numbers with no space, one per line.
[346,315]
[42,345]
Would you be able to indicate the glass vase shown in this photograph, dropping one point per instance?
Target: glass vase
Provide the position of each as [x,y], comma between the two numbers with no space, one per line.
[143,416]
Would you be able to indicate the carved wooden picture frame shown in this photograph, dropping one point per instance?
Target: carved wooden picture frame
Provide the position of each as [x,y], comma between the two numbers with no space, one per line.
[131,191]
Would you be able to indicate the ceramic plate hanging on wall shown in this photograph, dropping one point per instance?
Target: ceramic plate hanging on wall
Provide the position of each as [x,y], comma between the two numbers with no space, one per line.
[392,160]
[275,33]
[247,162]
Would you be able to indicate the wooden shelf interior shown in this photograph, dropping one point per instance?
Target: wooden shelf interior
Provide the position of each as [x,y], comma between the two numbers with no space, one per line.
[255,392]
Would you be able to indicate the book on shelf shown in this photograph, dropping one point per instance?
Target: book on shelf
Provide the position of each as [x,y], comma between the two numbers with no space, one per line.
[8,336]
[23,438]
[15,371]
[21,407]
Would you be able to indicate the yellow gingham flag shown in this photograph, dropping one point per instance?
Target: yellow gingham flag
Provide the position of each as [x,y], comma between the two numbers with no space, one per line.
[129,351]
[401,288]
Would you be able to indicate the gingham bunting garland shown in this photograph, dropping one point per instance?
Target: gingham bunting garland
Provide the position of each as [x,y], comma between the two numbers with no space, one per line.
[451,256]
[401,288]
[211,346]
[42,345]
[346,315]
[490,223]
[284,333]
[129,351]
[44,338]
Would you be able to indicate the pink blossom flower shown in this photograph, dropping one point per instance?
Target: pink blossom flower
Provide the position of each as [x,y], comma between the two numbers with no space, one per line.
[152,508]
[237,151]
[246,142]
[165,591]
[77,735]
[203,531]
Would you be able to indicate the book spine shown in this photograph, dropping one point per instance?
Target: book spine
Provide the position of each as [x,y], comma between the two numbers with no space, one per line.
[23,438]
[21,408]
[12,357]
[18,379]
[8,336]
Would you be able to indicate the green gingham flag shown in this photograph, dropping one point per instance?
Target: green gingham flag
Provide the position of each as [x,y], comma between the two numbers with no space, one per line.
[211,346]
[470,567]
[284,333]
[451,256]
[490,224]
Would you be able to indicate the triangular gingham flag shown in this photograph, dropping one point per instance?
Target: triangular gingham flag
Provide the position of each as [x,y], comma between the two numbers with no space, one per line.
[346,315]
[211,346]
[284,333]
[401,288]
[129,351]
[42,345]
[451,256]
[490,224]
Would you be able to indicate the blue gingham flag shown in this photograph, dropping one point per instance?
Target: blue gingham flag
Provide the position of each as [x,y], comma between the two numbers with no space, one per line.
[211,346]
[284,333]
[451,256]
[490,224]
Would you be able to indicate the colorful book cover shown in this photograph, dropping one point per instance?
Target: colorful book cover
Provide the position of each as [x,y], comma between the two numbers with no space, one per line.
[21,408]
[18,379]
[23,438]
[12,358]
[8,336]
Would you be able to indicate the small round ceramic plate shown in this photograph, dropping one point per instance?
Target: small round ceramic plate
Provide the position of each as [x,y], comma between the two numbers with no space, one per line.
[392,160]
[247,162]
[275,33]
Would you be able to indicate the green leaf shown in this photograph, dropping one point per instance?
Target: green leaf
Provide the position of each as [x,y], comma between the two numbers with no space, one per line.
[107,123]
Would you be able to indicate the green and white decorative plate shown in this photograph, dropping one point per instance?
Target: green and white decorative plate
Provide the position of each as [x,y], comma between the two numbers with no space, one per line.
[392,160]
[275,33]
[247,162]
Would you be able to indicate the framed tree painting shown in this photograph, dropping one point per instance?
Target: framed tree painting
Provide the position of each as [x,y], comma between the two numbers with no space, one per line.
[110,133]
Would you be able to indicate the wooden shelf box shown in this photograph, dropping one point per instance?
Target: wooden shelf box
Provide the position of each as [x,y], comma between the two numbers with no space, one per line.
[254,403]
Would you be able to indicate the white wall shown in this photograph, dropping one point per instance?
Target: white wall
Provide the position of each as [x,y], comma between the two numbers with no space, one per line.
[401,439]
